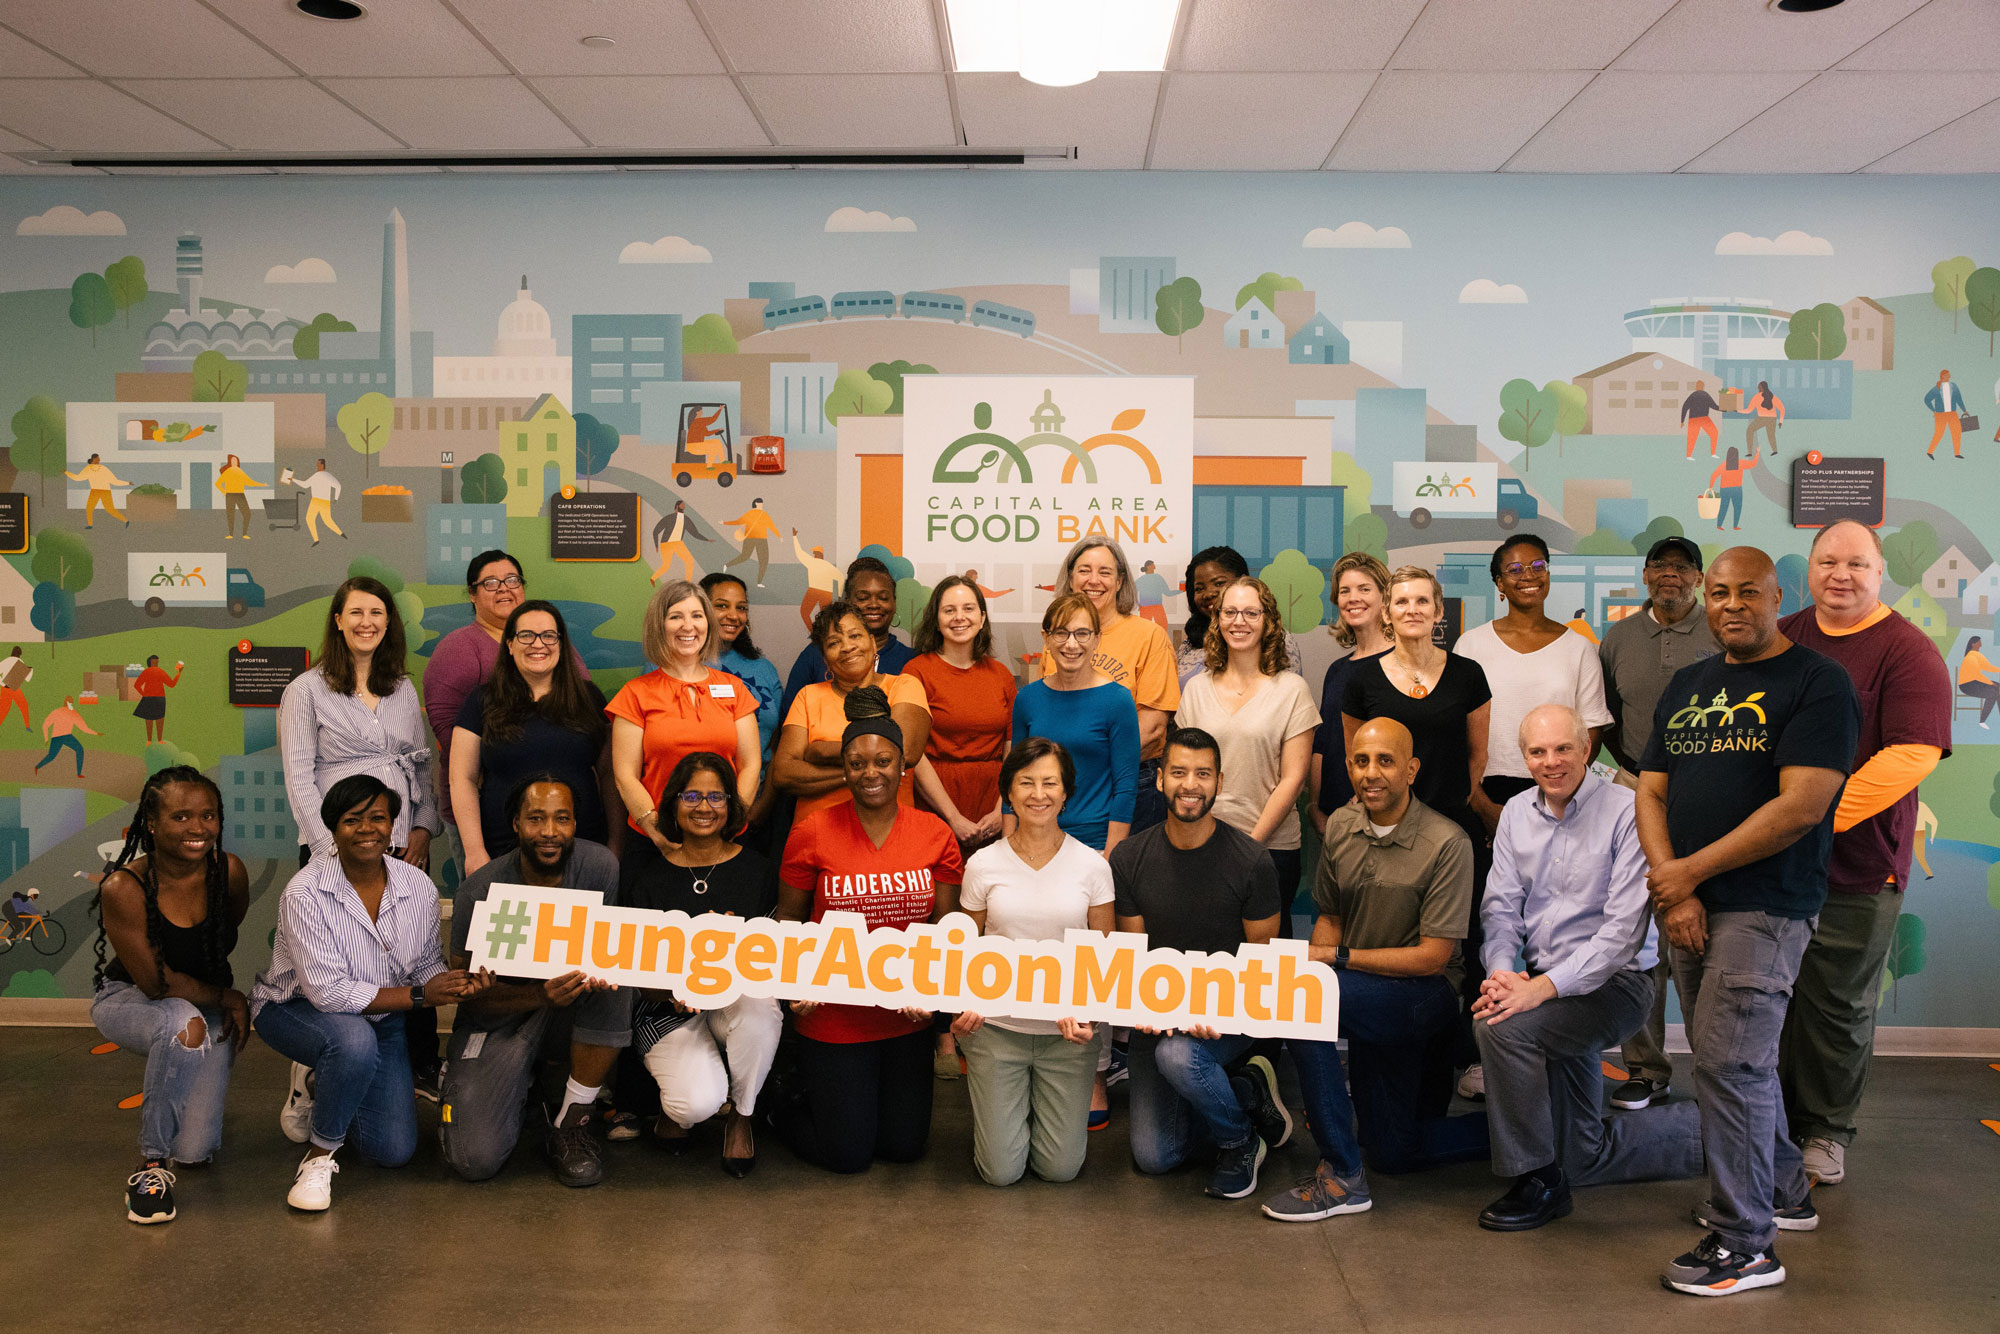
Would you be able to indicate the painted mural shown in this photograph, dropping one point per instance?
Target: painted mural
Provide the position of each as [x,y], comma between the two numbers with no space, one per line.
[228,394]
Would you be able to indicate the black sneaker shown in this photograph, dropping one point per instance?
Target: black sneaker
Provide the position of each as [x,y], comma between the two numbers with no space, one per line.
[573,1152]
[149,1194]
[1801,1217]
[1235,1172]
[429,1082]
[1265,1108]
[1713,1270]
[1634,1094]
[1119,1070]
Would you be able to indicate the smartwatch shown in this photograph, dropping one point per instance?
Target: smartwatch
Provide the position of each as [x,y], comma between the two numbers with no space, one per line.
[417,997]
[1340,957]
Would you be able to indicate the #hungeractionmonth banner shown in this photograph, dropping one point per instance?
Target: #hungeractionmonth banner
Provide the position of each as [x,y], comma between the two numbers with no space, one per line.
[1269,990]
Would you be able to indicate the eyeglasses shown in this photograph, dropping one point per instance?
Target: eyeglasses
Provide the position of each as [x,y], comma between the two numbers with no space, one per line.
[1679,567]
[1516,570]
[1069,636]
[694,799]
[1239,614]
[534,637]
[495,585]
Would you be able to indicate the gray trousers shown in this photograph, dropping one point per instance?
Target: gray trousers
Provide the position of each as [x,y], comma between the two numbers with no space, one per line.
[1735,996]
[1645,1052]
[1830,1030]
[1030,1095]
[1545,1093]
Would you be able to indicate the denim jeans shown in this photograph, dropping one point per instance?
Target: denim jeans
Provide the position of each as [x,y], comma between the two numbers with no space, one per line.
[1182,1096]
[1399,1032]
[1736,994]
[185,1086]
[1149,804]
[361,1076]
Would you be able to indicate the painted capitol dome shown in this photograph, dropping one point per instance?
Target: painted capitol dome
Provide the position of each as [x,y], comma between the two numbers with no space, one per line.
[524,329]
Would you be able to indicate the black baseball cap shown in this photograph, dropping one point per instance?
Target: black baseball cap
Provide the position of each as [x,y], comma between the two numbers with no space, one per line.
[1680,544]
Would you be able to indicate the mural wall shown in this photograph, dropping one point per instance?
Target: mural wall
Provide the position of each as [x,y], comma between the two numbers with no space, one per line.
[225,394]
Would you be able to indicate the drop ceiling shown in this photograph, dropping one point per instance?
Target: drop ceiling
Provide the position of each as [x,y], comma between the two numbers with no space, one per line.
[1281,85]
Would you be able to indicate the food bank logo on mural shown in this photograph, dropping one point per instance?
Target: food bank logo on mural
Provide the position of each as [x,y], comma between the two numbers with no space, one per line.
[1703,729]
[1017,468]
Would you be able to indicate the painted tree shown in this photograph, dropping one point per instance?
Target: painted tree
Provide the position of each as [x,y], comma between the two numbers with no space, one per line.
[708,334]
[53,612]
[127,280]
[1265,288]
[912,597]
[1791,581]
[892,373]
[484,480]
[1299,587]
[373,567]
[857,393]
[1572,409]
[41,442]
[1527,414]
[1370,533]
[217,379]
[1817,333]
[1909,551]
[1948,284]
[411,608]
[63,567]
[1357,483]
[305,343]
[1982,302]
[596,442]
[898,566]
[1603,542]
[1177,308]
[365,423]
[1664,526]
[90,303]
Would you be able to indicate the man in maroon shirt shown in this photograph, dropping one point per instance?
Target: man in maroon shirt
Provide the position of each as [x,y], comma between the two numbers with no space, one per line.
[1906,704]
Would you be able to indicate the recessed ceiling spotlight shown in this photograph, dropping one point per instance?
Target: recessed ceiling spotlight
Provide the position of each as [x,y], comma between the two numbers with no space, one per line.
[340,11]
[597,42]
[1802,6]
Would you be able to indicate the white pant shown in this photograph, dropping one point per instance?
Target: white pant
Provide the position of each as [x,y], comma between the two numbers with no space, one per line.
[687,1063]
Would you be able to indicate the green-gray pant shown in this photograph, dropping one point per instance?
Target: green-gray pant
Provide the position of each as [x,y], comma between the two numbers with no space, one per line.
[1830,1031]
[1030,1098]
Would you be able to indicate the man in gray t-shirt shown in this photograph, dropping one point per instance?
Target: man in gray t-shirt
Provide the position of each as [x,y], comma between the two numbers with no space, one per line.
[498,1041]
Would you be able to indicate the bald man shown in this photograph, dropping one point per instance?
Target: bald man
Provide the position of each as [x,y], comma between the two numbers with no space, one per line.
[1737,787]
[1394,888]
[1568,973]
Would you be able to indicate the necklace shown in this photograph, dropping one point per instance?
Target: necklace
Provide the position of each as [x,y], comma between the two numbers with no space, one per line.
[1417,687]
[698,881]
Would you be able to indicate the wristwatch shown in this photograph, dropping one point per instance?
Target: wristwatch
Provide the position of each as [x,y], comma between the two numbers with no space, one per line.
[1340,956]
[417,996]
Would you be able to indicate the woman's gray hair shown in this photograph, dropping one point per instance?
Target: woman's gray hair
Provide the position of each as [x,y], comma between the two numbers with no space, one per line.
[1128,593]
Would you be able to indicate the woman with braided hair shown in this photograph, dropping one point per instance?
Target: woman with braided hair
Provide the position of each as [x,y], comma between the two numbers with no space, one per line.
[169,908]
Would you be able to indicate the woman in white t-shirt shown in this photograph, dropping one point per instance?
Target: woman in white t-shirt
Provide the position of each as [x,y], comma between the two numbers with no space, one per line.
[1263,719]
[1030,1079]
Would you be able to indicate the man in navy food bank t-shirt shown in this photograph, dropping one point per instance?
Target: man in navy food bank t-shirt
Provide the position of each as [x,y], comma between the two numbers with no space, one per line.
[1737,788]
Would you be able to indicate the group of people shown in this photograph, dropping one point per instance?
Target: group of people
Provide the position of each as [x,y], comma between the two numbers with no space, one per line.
[1499,910]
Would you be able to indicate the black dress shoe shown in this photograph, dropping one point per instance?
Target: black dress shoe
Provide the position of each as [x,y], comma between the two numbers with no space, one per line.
[739,1167]
[1527,1206]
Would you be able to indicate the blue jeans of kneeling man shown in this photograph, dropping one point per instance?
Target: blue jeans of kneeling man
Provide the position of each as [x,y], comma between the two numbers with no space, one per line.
[1182,1097]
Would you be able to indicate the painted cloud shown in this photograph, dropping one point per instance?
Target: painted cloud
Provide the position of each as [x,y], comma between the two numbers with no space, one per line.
[1357,235]
[852,219]
[64,220]
[305,271]
[666,250]
[1785,243]
[1486,292]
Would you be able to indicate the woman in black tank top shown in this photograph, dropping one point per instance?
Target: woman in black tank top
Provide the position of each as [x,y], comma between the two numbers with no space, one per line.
[169,909]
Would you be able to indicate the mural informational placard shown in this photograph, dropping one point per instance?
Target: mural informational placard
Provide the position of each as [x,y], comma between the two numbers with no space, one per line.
[13,522]
[1003,470]
[1825,490]
[259,673]
[1270,990]
[598,525]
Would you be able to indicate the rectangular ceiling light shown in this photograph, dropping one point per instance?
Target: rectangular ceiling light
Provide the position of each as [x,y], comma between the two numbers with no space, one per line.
[1133,34]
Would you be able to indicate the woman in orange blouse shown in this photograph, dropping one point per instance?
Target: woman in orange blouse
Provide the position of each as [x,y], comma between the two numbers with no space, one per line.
[808,764]
[1975,678]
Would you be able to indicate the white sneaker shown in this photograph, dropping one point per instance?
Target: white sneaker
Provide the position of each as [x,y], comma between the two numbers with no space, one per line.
[1472,1084]
[295,1117]
[1826,1160]
[312,1189]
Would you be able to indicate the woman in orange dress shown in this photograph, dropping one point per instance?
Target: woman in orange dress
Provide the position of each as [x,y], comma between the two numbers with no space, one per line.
[971,695]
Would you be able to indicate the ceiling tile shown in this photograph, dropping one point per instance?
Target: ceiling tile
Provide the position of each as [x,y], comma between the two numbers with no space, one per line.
[1107,120]
[1525,34]
[269,115]
[816,36]
[1969,144]
[1748,35]
[22,59]
[117,38]
[1271,35]
[415,37]
[537,37]
[664,113]
[14,166]
[9,142]
[1640,121]
[854,110]
[458,113]
[1435,120]
[81,115]
[1844,120]
[1254,122]
[1944,34]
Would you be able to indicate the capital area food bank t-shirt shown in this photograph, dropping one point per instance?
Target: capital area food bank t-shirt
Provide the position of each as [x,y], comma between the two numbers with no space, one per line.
[895,885]
[1721,733]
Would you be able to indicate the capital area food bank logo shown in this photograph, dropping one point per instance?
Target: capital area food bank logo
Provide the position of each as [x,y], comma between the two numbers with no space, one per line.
[1004,456]
[1699,729]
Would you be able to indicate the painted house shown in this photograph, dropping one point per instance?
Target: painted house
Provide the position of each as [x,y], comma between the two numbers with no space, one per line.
[1949,576]
[1922,610]
[1981,596]
[1871,335]
[17,599]
[1318,343]
[1638,394]
[1253,325]
[540,454]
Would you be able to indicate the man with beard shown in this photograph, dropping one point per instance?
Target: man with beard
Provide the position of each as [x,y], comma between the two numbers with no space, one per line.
[499,1040]
[1394,889]
[1196,884]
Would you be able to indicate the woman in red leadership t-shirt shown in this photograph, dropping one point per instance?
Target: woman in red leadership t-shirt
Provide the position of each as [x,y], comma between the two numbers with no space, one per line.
[865,1071]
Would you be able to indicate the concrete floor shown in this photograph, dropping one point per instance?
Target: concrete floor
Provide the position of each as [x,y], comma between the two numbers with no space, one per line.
[1907,1243]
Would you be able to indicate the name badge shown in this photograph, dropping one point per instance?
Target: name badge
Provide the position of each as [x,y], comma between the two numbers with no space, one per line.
[720,691]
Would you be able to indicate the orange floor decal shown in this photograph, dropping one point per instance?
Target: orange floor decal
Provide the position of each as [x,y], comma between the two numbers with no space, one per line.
[104,1049]
[127,1104]
[1993,1126]
[1613,1072]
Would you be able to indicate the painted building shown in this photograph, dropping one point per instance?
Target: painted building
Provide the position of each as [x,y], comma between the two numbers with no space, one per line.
[457,534]
[540,454]
[424,428]
[1812,390]
[132,439]
[1922,610]
[1126,286]
[1871,335]
[243,333]
[611,356]
[1982,595]
[1705,329]
[523,362]
[255,807]
[798,403]
[1253,325]
[17,600]
[1293,308]
[1388,429]
[1638,394]
[1949,576]
[1318,343]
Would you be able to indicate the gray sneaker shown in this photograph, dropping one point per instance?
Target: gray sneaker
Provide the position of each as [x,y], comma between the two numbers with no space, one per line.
[1321,1195]
[1801,1217]
[1826,1160]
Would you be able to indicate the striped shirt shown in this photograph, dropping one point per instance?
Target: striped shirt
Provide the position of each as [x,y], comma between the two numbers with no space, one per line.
[325,736]
[328,950]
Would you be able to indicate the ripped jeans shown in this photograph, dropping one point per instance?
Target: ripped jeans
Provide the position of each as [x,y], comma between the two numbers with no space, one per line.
[185,1086]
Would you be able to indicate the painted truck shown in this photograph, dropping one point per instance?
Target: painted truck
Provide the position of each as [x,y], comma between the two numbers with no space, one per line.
[157,580]
[1426,491]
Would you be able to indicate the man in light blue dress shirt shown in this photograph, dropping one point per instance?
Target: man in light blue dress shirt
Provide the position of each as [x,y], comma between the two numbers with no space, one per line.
[1566,955]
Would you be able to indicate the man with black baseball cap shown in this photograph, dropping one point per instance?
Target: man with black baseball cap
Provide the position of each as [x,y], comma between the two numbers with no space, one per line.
[1640,654]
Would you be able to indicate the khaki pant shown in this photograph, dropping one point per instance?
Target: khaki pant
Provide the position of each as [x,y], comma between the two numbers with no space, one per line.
[321,512]
[1030,1097]
[1830,1031]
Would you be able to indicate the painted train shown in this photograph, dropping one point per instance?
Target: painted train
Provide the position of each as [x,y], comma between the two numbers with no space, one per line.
[914,305]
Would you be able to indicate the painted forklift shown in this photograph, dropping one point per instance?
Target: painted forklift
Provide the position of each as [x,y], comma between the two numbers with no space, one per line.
[704,445]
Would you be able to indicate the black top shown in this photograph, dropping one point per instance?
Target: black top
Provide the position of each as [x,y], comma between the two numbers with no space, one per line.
[744,885]
[541,747]
[181,949]
[1330,741]
[1436,723]
[1721,733]
[1196,899]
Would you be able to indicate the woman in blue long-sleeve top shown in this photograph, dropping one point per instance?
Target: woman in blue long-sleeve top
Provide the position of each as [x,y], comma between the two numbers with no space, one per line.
[1093,717]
